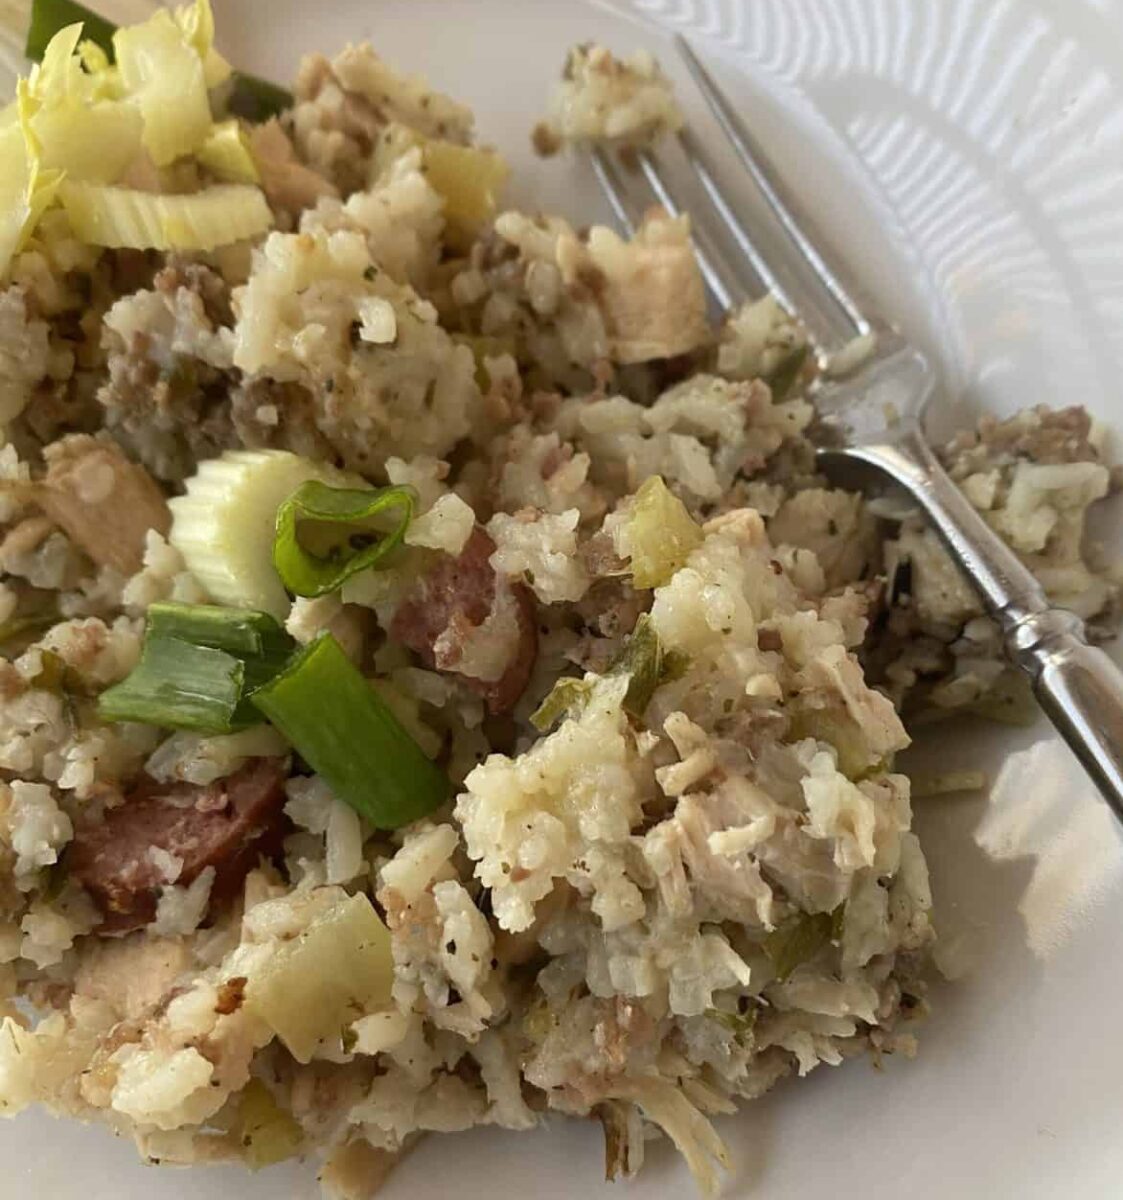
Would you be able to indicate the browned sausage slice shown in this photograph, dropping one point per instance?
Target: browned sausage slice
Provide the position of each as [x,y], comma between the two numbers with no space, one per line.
[457,596]
[226,825]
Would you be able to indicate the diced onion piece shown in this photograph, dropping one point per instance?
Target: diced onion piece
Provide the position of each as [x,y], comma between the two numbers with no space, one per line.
[227,153]
[122,217]
[360,526]
[484,346]
[224,523]
[162,72]
[347,734]
[309,989]
[659,534]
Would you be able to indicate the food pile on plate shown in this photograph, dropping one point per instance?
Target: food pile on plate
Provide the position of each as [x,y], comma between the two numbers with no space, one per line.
[437,686]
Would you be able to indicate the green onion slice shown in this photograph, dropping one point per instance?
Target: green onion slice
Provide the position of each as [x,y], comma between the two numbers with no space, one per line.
[249,97]
[642,658]
[567,697]
[255,99]
[180,686]
[325,534]
[197,668]
[344,731]
[784,377]
[648,664]
[800,939]
[31,622]
[255,638]
[49,16]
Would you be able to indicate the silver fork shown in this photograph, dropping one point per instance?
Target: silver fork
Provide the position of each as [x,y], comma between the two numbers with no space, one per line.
[875,419]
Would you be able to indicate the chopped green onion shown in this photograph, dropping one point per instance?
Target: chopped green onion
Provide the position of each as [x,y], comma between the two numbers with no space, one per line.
[784,377]
[340,519]
[49,16]
[344,731]
[253,637]
[250,97]
[800,939]
[27,623]
[642,657]
[739,1024]
[55,675]
[179,686]
[567,696]
[198,667]
[255,99]
[642,660]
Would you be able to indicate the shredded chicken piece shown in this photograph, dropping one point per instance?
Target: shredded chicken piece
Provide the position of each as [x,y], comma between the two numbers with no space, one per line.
[649,290]
[356,1170]
[105,504]
[287,183]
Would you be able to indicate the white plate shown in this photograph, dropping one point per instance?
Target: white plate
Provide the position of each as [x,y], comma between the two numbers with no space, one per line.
[969,153]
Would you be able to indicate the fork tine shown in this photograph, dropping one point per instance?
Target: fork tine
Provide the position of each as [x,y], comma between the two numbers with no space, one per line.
[764,279]
[724,286]
[722,294]
[610,185]
[724,283]
[846,321]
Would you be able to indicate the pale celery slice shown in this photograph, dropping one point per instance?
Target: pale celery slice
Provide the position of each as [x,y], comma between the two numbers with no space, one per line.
[224,523]
[78,127]
[314,986]
[197,23]
[93,143]
[659,534]
[163,73]
[60,73]
[468,178]
[122,217]
[26,186]
[266,1133]
[227,153]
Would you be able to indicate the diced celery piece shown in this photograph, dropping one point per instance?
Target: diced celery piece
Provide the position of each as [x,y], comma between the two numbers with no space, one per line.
[660,534]
[161,70]
[315,985]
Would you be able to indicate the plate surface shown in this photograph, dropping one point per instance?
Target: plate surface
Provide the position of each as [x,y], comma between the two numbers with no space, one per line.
[969,153]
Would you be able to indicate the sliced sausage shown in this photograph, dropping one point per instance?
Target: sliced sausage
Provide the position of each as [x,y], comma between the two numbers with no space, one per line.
[453,600]
[227,825]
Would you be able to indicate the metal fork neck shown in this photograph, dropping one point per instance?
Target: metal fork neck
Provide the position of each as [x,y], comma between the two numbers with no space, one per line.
[1009,590]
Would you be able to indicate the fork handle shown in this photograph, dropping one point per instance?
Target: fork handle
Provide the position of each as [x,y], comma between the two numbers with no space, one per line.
[1078,685]
[1081,691]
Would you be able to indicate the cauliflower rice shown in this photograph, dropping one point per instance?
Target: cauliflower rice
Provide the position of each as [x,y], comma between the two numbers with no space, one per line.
[650,897]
